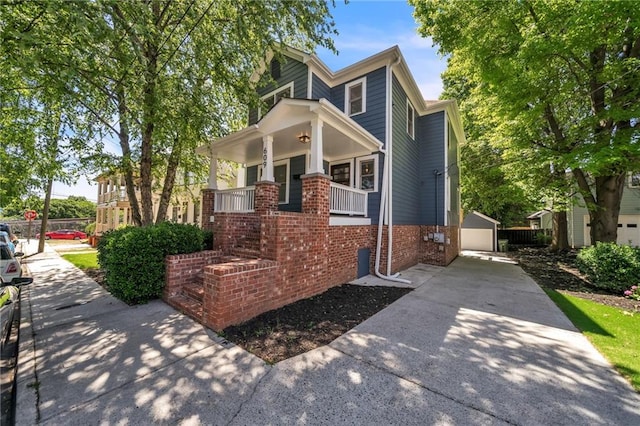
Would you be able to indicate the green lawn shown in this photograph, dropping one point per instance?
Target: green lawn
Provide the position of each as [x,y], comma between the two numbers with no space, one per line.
[614,332]
[83,260]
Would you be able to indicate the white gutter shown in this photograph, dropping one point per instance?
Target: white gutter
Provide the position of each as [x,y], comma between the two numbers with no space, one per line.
[386,200]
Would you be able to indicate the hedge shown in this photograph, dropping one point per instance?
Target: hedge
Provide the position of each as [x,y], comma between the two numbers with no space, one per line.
[610,266]
[133,257]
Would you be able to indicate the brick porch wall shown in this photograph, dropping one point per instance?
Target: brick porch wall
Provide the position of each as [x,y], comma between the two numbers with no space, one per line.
[230,228]
[181,269]
[208,197]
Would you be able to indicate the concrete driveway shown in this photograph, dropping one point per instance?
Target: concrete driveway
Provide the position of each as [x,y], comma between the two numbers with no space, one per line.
[477,342]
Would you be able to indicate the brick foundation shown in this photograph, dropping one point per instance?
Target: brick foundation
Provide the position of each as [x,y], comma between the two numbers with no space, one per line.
[440,254]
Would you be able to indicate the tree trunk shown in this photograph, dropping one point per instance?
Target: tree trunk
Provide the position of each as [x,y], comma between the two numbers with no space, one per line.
[127,167]
[148,120]
[45,214]
[604,215]
[560,238]
[169,181]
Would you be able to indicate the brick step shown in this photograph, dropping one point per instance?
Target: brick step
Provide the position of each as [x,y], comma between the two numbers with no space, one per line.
[243,253]
[194,291]
[188,306]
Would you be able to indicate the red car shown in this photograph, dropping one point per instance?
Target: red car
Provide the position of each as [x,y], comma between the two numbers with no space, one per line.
[64,234]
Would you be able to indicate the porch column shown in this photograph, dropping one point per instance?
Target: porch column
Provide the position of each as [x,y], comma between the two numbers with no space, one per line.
[213,171]
[267,159]
[316,165]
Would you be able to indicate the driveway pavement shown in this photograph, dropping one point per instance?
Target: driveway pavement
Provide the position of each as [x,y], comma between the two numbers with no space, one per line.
[477,342]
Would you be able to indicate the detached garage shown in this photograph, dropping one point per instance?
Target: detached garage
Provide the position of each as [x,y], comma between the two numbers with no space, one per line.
[479,232]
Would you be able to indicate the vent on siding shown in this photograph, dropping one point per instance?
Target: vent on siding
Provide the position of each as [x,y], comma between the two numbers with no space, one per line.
[275,69]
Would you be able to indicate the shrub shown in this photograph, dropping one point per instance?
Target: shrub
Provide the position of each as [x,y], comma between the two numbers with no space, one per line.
[133,258]
[610,266]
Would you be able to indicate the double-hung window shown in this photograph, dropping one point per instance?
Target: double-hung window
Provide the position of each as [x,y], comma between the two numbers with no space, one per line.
[634,180]
[356,97]
[273,97]
[411,116]
[367,173]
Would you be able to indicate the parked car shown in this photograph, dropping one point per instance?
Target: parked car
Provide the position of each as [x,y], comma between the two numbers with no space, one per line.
[4,238]
[10,269]
[64,234]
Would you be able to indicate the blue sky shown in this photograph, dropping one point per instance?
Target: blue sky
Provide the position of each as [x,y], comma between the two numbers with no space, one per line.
[365,28]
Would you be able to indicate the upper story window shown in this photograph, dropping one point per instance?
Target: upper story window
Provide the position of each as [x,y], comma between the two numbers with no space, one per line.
[367,173]
[634,180]
[271,98]
[411,117]
[355,97]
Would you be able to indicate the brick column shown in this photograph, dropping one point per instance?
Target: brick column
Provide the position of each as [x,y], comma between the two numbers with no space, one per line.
[266,198]
[315,194]
[208,196]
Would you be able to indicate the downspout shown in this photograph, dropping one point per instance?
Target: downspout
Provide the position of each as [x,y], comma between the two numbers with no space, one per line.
[386,199]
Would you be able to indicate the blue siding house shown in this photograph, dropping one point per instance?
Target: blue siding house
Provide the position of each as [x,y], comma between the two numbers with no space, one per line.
[388,156]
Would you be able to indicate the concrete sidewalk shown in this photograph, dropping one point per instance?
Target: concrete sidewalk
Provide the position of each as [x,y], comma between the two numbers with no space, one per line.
[477,342]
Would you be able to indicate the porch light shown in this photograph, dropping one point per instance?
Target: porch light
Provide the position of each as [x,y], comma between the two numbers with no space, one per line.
[304,137]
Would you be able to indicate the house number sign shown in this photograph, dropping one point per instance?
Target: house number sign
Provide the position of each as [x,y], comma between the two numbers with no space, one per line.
[264,158]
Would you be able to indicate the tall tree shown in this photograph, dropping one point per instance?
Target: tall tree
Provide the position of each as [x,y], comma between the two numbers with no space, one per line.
[562,78]
[161,76]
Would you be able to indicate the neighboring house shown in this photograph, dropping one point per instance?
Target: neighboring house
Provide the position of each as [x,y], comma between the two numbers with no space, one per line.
[628,219]
[479,232]
[114,208]
[542,219]
[331,161]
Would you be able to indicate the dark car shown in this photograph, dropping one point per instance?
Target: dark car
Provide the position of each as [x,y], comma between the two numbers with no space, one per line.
[64,234]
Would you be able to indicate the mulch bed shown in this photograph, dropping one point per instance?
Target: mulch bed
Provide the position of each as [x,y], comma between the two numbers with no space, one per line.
[310,323]
[558,271]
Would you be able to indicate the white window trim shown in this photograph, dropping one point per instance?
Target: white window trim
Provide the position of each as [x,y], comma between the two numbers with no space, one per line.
[346,160]
[347,92]
[375,172]
[411,133]
[274,92]
[288,181]
[631,185]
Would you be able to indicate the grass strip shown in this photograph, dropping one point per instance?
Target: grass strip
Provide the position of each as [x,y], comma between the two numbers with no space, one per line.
[83,260]
[613,331]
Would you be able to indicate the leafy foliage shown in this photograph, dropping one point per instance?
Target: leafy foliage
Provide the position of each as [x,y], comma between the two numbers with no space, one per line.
[551,87]
[71,207]
[610,266]
[133,258]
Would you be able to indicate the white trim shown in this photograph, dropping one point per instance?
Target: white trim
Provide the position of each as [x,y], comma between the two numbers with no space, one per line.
[348,221]
[485,217]
[351,168]
[288,176]
[411,133]
[447,196]
[275,92]
[309,83]
[376,175]
[347,96]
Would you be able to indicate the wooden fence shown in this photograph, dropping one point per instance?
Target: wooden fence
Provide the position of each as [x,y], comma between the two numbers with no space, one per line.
[528,237]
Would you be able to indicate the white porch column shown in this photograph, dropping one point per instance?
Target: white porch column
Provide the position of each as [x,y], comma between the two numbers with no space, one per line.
[267,159]
[316,165]
[213,171]
[116,217]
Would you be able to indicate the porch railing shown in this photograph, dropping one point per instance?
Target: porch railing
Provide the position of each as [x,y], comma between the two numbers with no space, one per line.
[116,195]
[346,200]
[236,200]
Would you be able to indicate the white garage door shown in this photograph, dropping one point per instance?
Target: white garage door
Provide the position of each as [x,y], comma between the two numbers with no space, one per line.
[477,239]
[628,230]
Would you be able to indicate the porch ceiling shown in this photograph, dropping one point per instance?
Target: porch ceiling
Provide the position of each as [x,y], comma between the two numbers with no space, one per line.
[342,137]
